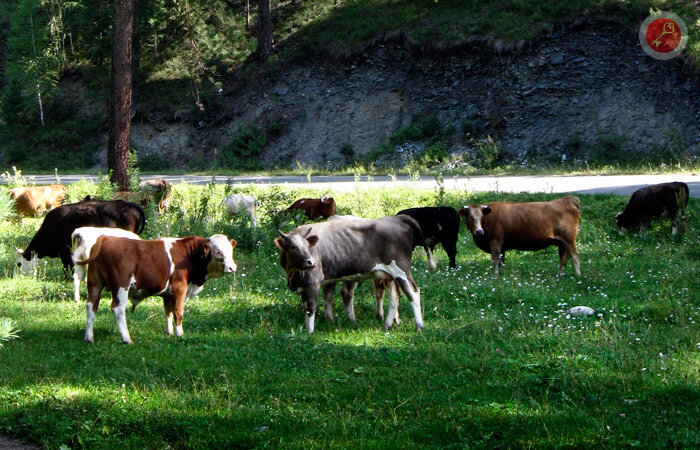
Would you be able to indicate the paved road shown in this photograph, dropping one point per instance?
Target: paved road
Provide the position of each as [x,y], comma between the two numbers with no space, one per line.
[582,184]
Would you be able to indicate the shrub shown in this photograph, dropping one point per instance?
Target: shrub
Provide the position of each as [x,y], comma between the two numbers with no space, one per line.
[488,153]
[152,162]
[242,151]
[6,204]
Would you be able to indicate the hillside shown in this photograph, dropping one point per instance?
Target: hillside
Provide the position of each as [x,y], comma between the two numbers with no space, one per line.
[451,84]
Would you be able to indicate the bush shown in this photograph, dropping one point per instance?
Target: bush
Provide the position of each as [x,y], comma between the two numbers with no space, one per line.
[242,151]
[6,204]
[153,162]
[488,153]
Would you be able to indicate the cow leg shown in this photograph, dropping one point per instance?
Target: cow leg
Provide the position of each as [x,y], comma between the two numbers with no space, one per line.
[451,250]
[495,257]
[379,290]
[310,296]
[575,259]
[168,306]
[674,224]
[94,290]
[413,293]
[564,255]
[347,292]
[77,275]
[328,291]
[179,308]
[120,298]
[393,306]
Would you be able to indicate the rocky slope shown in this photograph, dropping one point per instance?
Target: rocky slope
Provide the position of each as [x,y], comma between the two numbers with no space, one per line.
[574,91]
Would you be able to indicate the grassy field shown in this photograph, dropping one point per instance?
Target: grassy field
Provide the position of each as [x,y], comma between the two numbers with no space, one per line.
[499,363]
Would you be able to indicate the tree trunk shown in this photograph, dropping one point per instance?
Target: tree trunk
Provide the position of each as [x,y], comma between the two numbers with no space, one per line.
[120,93]
[264,29]
[247,15]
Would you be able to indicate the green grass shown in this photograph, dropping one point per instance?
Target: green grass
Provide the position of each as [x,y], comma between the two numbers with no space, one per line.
[498,364]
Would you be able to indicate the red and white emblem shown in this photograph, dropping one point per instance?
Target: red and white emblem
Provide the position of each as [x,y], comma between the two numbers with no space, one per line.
[663,35]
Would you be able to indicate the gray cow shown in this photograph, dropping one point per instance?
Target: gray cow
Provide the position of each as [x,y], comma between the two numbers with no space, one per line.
[320,255]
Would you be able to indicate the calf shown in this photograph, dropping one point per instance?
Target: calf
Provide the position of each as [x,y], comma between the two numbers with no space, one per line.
[157,191]
[502,226]
[320,255]
[82,240]
[53,239]
[658,200]
[34,201]
[242,204]
[439,225]
[314,207]
[174,269]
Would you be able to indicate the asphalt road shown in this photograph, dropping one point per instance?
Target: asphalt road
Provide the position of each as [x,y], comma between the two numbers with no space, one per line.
[582,184]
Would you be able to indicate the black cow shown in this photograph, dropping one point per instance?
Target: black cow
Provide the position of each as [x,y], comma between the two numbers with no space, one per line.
[439,225]
[320,255]
[53,239]
[657,200]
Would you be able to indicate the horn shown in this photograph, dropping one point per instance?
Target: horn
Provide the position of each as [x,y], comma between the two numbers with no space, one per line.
[286,236]
[466,207]
[307,233]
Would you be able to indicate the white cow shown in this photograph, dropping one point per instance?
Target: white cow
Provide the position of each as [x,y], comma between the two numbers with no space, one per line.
[242,204]
[82,240]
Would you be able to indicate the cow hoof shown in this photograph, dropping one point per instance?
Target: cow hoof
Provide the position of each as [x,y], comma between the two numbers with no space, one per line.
[128,342]
[89,341]
[419,328]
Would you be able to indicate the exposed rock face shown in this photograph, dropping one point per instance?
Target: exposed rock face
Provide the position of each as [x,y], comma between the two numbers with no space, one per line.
[572,90]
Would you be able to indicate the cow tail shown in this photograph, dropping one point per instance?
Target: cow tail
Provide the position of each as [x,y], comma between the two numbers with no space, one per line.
[94,252]
[418,233]
[142,223]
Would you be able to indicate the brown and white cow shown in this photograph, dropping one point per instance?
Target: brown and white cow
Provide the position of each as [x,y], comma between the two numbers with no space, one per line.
[174,269]
[320,255]
[657,200]
[314,208]
[34,201]
[502,226]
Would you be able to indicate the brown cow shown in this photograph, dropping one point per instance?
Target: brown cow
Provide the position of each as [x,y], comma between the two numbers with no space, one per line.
[502,226]
[314,207]
[34,201]
[174,269]
[157,190]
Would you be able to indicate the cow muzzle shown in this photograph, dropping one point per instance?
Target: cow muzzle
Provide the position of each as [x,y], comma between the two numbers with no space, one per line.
[479,232]
[309,263]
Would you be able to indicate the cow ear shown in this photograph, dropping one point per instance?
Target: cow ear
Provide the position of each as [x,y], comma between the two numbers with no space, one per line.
[618,215]
[485,209]
[233,243]
[206,248]
[312,240]
[280,243]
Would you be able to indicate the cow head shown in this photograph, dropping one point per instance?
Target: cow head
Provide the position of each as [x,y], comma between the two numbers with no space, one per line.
[296,251]
[28,266]
[221,250]
[473,215]
[622,223]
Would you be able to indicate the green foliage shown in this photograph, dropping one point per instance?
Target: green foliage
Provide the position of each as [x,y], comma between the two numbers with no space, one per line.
[488,153]
[6,204]
[242,152]
[425,128]
[8,330]
[153,162]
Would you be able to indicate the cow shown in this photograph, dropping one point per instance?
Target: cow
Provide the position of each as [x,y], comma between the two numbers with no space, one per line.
[157,190]
[174,269]
[82,240]
[317,256]
[34,201]
[242,204]
[314,208]
[53,239]
[439,225]
[658,200]
[499,227]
